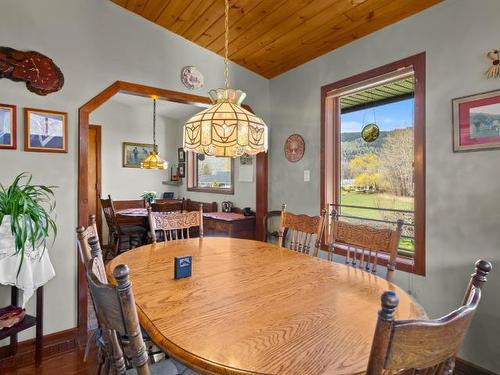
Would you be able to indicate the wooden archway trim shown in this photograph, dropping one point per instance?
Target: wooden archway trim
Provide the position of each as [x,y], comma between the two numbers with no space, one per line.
[84,112]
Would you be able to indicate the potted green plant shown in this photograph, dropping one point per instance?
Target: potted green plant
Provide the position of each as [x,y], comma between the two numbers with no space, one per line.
[26,219]
[149,196]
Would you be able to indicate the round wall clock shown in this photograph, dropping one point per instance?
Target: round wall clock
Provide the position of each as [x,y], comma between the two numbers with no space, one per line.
[294,148]
[191,77]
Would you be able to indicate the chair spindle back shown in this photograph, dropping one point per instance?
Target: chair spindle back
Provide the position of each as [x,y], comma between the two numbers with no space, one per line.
[364,244]
[117,313]
[299,230]
[83,235]
[423,346]
[175,226]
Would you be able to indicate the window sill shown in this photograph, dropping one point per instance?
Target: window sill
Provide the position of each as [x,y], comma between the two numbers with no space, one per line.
[212,190]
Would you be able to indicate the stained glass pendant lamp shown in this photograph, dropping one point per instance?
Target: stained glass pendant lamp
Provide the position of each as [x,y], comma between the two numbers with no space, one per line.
[153,160]
[225,128]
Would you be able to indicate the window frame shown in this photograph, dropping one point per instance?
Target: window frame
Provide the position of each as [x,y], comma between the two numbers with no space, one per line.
[192,177]
[331,158]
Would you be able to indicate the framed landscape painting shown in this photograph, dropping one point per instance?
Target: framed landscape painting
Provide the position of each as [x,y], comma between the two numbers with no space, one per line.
[45,131]
[135,153]
[8,126]
[476,122]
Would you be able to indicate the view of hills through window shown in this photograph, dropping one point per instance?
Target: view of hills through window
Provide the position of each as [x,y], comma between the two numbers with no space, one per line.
[214,172]
[379,175]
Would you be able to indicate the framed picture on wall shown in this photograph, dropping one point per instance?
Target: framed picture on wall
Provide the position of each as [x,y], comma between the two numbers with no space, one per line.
[476,122]
[8,127]
[45,131]
[181,170]
[181,155]
[135,153]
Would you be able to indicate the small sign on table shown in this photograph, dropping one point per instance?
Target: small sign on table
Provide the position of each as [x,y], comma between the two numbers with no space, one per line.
[182,267]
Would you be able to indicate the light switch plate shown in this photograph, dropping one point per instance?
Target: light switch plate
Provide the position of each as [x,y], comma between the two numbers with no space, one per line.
[307,175]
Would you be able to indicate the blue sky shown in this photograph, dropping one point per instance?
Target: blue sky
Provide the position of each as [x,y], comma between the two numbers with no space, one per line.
[388,117]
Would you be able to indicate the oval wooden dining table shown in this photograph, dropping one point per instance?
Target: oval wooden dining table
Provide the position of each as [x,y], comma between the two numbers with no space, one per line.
[254,308]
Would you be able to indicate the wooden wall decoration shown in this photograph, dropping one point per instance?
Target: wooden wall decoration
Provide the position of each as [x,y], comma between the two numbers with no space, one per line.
[41,74]
[294,148]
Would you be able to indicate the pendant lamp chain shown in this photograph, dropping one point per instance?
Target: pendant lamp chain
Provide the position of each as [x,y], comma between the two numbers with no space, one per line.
[226,45]
[154,122]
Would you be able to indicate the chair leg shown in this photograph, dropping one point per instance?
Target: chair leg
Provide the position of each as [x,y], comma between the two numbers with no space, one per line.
[87,347]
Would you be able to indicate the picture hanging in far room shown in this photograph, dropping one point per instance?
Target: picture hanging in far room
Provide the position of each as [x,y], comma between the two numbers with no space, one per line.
[135,153]
[8,125]
[181,155]
[476,122]
[181,170]
[45,130]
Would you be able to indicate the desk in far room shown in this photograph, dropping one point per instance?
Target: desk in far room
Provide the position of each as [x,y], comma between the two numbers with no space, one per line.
[229,224]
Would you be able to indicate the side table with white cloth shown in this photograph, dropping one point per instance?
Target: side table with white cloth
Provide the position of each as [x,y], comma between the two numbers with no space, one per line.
[36,271]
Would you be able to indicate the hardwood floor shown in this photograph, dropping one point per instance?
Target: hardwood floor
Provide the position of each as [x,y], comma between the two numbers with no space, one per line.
[69,363]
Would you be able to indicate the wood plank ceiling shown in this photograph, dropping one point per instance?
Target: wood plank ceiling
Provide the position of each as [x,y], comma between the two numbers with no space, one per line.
[271,37]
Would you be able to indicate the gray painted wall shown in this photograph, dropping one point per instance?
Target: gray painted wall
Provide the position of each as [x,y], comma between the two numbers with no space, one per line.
[462,189]
[95,43]
[122,123]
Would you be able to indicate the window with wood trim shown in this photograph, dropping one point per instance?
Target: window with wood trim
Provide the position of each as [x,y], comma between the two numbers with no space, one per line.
[378,181]
[210,174]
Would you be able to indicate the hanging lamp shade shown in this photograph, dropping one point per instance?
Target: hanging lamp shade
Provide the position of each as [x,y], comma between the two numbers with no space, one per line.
[153,160]
[225,128]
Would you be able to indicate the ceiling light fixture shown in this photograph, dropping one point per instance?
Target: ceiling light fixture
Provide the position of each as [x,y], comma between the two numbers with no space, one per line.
[225,128]
[153,160]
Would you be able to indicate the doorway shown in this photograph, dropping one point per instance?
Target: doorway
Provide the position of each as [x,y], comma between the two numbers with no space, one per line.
[94,176]
[84,197]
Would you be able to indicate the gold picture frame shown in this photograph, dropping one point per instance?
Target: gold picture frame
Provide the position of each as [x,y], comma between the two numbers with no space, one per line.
[134,153]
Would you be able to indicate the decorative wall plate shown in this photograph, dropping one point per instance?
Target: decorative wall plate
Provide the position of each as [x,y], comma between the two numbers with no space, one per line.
[191,77]
[294,148]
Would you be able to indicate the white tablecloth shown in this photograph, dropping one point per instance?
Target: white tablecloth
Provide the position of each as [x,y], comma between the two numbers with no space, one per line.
[36,270]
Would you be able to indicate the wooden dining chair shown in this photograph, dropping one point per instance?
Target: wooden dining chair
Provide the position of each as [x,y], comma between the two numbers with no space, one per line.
[121,237]
[364,244]
[116,310]
[423,346]
[271,221]
[93,251]
[296,231]
[175,226]
[168,206]
[84,234]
